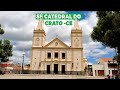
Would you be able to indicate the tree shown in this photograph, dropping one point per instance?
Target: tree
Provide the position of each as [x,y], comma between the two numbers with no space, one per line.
[107,30]
[28,65]
[86,68]
[5,48]
[1,30]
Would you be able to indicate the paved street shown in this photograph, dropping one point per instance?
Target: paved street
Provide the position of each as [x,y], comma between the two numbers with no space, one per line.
[36,76]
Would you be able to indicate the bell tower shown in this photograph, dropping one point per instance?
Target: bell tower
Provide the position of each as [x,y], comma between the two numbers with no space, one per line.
[39,35]
[38,41]
[77,49]
[76,36]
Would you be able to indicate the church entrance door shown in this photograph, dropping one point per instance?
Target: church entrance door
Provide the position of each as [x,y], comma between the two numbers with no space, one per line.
[56,68]
[63,69]
[48,69]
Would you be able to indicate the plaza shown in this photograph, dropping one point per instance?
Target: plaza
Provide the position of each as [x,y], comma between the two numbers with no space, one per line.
[41,76]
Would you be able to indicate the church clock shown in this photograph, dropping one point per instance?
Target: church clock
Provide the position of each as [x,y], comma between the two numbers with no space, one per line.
[37,39]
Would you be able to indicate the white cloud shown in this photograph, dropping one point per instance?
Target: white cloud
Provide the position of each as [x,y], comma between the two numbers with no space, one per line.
[18,57]
[89,63]
[19,26]
[26,45]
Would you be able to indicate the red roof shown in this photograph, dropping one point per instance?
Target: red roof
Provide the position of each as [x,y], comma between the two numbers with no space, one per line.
[106,59]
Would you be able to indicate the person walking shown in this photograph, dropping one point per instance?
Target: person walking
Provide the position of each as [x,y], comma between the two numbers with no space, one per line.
[113,77]
[116,77]
[108,77]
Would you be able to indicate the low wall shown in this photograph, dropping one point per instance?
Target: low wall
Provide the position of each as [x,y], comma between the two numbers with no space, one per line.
[45,72]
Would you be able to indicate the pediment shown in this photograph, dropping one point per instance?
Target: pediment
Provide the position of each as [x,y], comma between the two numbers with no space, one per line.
[56,43]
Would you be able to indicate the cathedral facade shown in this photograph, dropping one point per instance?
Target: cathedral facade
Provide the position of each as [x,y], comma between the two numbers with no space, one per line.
[56,57]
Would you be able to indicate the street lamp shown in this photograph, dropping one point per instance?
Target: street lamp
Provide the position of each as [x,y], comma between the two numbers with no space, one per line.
[23,63]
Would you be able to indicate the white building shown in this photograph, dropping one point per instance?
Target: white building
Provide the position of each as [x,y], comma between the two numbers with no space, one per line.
[56,56]
[6,66]
[105,66]
[85,63]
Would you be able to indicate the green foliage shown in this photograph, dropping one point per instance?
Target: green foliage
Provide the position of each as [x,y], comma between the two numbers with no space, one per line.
[5,48]
[1,30]
[86,68]
[28,65]
[107,30]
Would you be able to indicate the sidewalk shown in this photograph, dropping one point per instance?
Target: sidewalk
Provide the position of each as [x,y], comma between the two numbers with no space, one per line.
[40,76]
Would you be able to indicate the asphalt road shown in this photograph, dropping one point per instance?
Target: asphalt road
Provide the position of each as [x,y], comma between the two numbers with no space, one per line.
[39,76]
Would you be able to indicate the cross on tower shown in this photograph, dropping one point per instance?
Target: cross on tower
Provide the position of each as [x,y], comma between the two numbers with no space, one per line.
[56,36]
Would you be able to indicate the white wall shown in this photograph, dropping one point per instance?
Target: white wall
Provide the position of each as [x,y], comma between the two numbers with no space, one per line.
[77,60]
[106,68]
[35,59]
[97,67]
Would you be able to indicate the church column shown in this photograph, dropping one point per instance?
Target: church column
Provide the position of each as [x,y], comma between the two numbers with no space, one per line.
[66,67]
[66,55]
[52,67]
[45,55]
[44,67]
[52,55]
[59,69]
[52,63]
[59,55]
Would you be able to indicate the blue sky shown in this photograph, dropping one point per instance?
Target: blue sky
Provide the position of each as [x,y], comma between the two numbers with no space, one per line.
[19,26]
[108,55]
[84,13]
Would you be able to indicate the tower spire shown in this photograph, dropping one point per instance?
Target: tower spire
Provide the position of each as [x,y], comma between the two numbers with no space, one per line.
[76,25]
[40,24]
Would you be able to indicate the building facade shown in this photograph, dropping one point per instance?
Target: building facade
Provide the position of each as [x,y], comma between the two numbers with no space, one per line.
[105,67]
[56,56]
[85,63]
[6,67]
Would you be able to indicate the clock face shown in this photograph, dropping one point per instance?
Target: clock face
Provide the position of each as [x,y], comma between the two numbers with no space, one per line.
[37,39]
